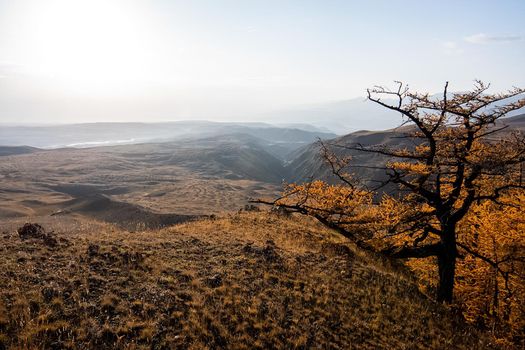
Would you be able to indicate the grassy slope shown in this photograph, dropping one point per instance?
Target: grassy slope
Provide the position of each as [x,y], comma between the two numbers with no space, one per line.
[248,281]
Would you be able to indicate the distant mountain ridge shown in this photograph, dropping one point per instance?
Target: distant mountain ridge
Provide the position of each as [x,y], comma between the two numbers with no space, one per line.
[245,151]
[307,163]
[15,150]
[346,116]
[106,134]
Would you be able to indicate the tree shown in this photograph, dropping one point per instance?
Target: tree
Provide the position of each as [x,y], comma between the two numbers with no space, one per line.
[491,280]
[462,155]
[458,161]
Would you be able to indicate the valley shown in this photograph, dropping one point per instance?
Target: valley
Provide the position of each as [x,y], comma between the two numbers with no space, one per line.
[157,184]
[151,185]
[267,175]
[155,245]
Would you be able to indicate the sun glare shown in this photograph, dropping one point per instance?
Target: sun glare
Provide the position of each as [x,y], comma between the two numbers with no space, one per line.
[88,45]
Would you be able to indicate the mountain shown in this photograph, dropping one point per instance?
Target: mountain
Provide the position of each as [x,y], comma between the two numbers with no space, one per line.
[343,117]
[302,126]
[307,162]
[340,117]
[141,185]
[193,175]
[515,122]
[235,156]
[15,150]
[104,134]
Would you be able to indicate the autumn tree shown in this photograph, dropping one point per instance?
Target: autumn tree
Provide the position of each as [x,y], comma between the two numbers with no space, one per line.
[491,278]
[459,160]
[462,155]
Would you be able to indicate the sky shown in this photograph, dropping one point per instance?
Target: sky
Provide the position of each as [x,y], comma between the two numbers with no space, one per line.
[70,61]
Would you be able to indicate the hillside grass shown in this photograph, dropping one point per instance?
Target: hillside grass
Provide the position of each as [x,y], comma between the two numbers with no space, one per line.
[244,281]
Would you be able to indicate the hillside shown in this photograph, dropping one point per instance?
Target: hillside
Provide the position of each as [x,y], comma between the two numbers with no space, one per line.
[307,162]
[245,281]
[107,134]
[346,116]
[14,150]
[144,184]
[340,116]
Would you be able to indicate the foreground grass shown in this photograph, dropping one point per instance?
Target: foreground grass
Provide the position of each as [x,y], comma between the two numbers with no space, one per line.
[247,281]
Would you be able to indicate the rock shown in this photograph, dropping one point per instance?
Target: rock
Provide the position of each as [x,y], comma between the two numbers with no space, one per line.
[36,231]
[31,231]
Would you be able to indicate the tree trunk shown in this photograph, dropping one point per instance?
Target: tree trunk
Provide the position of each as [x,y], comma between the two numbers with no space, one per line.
[447,267]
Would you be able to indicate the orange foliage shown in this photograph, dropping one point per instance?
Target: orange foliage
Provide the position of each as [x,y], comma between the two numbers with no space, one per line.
[491,294]
[348,206]
[460,205]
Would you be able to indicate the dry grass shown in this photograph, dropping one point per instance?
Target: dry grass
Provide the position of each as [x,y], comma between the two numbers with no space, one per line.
[246,281]
[162,178]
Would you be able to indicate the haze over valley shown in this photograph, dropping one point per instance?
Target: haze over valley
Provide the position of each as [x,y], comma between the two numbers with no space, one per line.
[161,173]
[262,174]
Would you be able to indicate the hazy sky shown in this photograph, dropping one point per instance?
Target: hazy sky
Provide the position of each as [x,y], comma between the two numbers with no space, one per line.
[116,60]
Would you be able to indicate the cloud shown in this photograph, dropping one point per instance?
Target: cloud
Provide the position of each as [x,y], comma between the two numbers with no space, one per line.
[482,38]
